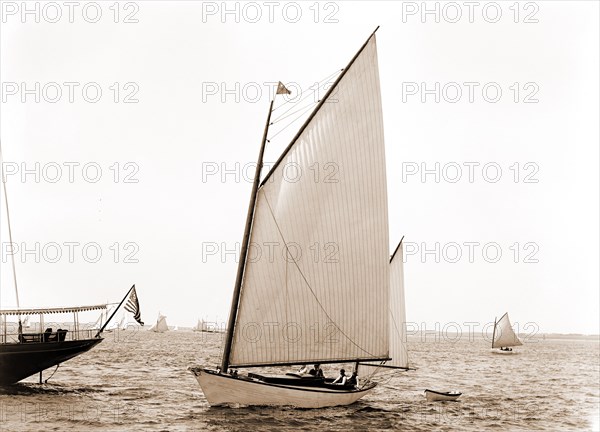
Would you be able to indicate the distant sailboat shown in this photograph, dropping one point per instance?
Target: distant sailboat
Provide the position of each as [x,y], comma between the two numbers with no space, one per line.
[103,320]
[161,324]
[204,326]
[121,325]
[100,321]
[291,311]
[504,336]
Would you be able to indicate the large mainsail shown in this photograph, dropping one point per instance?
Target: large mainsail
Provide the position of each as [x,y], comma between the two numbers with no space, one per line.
[504,335]
[316,281]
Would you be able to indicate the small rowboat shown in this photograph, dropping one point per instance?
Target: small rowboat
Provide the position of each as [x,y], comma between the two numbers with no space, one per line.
[433,396]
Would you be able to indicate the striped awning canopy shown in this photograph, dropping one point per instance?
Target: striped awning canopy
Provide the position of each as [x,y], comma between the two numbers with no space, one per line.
[45,311]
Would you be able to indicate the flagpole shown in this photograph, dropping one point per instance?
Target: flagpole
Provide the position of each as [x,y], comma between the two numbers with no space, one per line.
[10,239]
[113,314]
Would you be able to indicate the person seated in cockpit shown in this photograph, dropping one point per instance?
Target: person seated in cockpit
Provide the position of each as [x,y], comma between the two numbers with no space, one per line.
[342,378]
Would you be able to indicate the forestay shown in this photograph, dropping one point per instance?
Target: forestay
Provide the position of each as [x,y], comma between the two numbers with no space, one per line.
[316,281]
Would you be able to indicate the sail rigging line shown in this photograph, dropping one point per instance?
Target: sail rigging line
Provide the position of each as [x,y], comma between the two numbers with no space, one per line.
[319,85]
[286,297]
[284,116]
[305,110]
[12,255]
[302,110]
[370,376]
[308,284]
[317,108]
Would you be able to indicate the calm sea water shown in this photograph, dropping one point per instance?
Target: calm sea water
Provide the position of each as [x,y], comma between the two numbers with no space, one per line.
[138,381]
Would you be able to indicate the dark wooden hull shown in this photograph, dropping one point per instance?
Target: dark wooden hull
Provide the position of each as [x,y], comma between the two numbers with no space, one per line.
[21,360]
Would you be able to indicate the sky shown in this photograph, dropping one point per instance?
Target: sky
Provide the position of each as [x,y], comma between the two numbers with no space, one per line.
[129,135]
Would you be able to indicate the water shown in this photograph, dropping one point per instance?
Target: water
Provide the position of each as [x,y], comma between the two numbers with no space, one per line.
[138,381]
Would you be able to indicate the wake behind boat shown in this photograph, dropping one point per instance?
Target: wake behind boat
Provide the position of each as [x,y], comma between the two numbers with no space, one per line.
[290,311]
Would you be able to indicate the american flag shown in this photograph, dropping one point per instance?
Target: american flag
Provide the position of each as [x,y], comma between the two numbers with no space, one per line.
[133,306]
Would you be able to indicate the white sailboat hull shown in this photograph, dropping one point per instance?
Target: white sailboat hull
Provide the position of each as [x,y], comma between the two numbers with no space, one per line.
[435,396]
[227,390]
[497,351]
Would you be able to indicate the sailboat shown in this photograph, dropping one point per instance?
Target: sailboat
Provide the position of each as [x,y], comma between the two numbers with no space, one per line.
[199,326]
[161,324]
[293,310]
[204,326]
[26,323]
[122,324]
[104,318]
[504,336]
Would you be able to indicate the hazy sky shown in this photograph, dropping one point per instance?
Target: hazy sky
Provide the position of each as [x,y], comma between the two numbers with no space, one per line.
[491,129]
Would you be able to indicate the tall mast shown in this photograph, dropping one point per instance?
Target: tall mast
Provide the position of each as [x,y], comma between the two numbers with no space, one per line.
[244,250]
[12,255]
[494,333]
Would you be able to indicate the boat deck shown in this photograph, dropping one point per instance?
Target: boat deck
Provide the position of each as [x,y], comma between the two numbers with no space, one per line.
[297,380]
[49,336]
